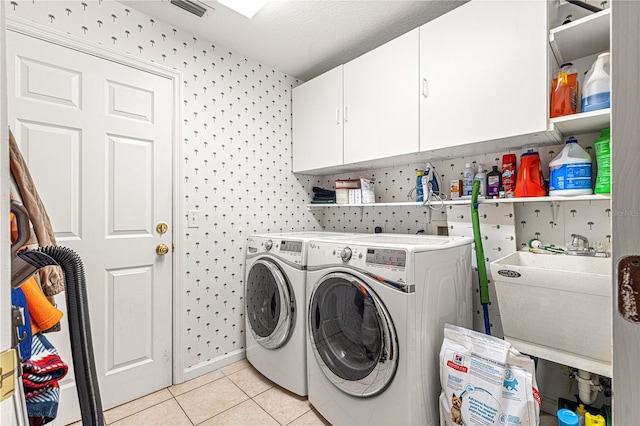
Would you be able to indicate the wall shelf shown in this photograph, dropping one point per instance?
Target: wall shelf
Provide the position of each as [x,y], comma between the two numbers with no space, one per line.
[594,197]
[584,122]
[580,38]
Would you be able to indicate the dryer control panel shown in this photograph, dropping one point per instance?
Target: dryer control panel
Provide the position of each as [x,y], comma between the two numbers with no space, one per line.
[387,257]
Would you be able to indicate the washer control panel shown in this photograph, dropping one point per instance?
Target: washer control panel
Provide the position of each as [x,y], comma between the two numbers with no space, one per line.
[346,254]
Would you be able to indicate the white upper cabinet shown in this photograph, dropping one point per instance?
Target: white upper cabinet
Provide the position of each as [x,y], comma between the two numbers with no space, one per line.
[484,73]
[381,101]
[317,122]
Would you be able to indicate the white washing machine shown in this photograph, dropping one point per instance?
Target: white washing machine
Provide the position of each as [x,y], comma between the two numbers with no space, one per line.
[276,305]
[377,309]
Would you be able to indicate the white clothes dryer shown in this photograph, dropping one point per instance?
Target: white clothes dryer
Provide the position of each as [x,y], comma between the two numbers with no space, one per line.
[276,306]
[377,309]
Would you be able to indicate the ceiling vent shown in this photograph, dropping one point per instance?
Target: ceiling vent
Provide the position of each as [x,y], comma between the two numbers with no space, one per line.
[190,6]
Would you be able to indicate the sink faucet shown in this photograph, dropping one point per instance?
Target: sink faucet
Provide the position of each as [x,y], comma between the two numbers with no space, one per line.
[579,246]
[578,243]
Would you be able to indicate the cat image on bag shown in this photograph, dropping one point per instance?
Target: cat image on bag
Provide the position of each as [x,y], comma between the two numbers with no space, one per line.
[456,407]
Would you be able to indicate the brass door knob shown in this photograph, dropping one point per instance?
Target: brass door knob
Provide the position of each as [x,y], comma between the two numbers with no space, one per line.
[162,227]
[162,249]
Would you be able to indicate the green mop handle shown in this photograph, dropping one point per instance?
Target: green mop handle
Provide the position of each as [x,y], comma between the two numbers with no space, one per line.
[482,267]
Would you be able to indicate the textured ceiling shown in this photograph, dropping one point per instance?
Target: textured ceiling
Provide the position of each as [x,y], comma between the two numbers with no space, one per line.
[299,37]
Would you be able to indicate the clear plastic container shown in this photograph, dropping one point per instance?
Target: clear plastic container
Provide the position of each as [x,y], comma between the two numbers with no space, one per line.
[570,171]
[482,177]
[467,180]
[596,92]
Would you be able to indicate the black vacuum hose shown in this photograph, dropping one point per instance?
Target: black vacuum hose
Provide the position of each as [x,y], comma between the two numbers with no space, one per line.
[80,332]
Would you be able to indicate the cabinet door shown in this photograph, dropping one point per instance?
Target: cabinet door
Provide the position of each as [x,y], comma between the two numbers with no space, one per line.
[381,101]
[317,122]
[483,68]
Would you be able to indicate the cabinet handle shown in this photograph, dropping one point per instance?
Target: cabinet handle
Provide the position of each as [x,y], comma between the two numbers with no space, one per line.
[346,114]
[425,88]
[337,115]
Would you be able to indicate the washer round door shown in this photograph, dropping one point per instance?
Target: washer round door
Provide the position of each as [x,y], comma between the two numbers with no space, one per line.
[352,335]
[270,304]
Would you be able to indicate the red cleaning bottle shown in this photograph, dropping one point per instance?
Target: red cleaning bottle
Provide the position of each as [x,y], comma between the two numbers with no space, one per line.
[529,182]
[509,174]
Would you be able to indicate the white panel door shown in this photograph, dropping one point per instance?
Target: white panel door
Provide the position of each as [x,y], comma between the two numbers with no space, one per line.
[381,101]
[625,127]
[317,122]
[484,73]
[97,138]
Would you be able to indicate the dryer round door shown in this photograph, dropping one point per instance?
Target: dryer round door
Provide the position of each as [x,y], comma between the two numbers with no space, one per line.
[352,335]
[270,304]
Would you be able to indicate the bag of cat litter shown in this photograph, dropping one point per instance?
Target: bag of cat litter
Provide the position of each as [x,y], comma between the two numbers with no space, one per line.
[485,381]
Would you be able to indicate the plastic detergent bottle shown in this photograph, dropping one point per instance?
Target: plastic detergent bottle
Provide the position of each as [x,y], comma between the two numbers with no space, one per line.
[581,411]
[529,182]
[603,158]
[596,92]
[567,417]
[467,180]
[482,177]
[564,93]
[419,191]
[494,182]
[591,420]
[570,171]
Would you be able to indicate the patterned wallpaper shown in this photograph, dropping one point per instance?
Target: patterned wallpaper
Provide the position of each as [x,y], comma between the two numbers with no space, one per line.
[237,159]
[236,172]
[504,227]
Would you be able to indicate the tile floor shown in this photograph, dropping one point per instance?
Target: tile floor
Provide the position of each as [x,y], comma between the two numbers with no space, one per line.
[234,395]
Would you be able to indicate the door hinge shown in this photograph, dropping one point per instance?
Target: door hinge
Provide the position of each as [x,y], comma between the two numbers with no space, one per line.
[8,368]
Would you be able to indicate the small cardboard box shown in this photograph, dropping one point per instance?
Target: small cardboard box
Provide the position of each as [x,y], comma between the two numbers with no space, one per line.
[342,196]
[348,183]
[456,188]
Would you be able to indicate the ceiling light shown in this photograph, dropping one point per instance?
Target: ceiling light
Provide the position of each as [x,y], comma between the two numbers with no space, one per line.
[190,6]
[247,8]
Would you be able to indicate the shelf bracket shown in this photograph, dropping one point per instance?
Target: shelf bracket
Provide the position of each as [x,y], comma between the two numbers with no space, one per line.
[556,50]
[555,208]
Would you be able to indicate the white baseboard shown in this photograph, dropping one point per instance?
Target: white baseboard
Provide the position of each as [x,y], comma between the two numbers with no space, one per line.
[212,365]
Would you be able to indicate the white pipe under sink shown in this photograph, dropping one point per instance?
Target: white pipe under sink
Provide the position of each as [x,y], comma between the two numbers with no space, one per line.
[587,389]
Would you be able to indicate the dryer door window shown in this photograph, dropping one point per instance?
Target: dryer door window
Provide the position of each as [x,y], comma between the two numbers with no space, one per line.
[270,304]
[352,335]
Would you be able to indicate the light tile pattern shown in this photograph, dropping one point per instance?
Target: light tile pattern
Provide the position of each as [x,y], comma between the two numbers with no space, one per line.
[234,395]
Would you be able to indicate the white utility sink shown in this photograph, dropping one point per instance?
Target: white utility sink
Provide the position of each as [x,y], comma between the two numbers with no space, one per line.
[557,307]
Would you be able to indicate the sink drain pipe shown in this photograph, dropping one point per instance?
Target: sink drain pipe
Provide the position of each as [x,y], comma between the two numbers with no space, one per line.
[587,388]
[482,266]
[80,334]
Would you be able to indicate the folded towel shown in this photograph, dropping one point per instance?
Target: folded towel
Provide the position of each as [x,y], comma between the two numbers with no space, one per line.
[40,378]
[43,314]
[322,191]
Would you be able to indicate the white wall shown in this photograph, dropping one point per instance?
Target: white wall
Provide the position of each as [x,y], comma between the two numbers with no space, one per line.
[236,162]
